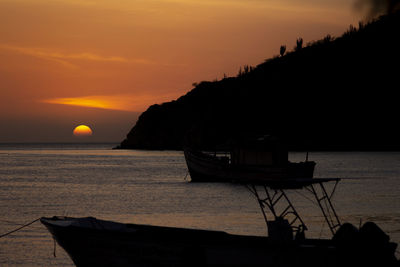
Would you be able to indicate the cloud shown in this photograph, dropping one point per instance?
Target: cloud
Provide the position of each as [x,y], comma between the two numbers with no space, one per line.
[88,101]
[63,58]
[137,102]
[70,59]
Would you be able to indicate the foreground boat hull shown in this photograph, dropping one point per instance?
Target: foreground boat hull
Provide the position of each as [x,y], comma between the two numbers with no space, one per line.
[113,244]
[92,242]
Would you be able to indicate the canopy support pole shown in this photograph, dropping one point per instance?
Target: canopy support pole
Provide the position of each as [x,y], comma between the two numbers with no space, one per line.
[270,198]
[275,199]
[328,211]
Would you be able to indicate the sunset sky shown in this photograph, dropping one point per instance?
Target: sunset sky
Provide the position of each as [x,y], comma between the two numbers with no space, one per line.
[102,62]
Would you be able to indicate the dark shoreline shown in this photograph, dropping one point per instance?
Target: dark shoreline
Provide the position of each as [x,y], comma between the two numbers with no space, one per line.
[293,149]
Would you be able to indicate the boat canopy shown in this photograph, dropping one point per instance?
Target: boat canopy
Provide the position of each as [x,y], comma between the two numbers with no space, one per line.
[292,183]
[264,150]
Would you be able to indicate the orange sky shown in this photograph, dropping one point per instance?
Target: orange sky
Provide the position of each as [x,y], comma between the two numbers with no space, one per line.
[100,62]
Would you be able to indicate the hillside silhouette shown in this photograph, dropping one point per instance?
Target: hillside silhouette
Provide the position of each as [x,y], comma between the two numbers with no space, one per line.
[332,94]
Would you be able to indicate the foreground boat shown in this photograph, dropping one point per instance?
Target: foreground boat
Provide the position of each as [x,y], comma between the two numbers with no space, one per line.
[260,159]
[93,242]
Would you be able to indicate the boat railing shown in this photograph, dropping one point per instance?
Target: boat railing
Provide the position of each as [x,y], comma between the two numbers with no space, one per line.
[217,153]
[223,156]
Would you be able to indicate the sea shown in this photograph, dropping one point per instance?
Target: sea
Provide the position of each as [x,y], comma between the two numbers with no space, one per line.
[153,187]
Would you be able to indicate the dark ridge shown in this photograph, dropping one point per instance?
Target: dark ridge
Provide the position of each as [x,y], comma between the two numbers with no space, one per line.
[333,94]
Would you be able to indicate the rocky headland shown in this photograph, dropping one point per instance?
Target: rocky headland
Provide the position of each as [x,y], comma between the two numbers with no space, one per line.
[331,94]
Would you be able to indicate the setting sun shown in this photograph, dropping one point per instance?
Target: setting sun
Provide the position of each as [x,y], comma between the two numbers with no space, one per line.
[82,130]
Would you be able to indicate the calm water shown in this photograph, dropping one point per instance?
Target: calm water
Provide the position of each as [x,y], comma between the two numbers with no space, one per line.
[149,187]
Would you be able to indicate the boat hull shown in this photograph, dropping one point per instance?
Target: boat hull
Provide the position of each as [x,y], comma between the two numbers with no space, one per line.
[93,242]
[98,244]
[204,168]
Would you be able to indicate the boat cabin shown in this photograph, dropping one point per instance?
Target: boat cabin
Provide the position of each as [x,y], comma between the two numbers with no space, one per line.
[266,150]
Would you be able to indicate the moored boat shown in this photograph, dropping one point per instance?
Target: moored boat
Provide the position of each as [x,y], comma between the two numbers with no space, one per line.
[93,242]
[249,160]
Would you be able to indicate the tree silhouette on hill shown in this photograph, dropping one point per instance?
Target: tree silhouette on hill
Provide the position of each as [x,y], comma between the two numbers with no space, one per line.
[282,50]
